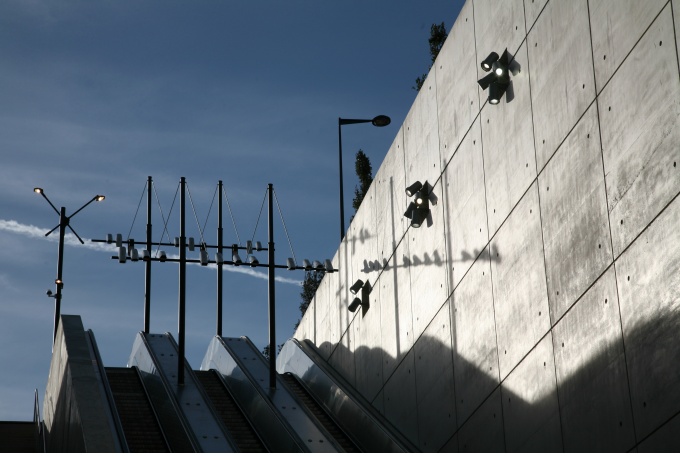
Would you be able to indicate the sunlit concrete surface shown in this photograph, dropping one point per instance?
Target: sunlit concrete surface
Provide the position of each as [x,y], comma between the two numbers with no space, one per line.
[538,309]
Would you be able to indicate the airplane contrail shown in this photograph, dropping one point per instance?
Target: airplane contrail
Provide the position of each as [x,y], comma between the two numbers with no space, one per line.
[32,231]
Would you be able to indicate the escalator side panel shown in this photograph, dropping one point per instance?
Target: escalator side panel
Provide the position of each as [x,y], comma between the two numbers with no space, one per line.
[370,430]
[230,413]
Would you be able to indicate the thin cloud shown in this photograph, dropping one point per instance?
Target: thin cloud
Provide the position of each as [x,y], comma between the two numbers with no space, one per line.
[31,231]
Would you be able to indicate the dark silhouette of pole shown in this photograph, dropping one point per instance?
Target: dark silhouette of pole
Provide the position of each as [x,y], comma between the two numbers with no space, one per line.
[63,222]
[272,294]
[182,284]
[379,121]
[147,267]
[220,234]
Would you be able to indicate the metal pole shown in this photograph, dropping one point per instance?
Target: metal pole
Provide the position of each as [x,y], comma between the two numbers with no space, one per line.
[220,234]
[147,276]
[63,222]
[342,201]
[272,295]
[182,284]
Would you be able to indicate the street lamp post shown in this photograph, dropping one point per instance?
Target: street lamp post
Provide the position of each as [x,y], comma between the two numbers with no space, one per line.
[379,121]
[64,221]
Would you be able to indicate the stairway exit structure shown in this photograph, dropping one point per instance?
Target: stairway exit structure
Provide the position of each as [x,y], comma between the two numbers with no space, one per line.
[227,406]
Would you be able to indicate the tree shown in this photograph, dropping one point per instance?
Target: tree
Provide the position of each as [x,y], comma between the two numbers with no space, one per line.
[265,350]
[309,286]
[437,38]
[364,171]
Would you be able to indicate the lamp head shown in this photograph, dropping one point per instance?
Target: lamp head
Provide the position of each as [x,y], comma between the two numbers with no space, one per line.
[414,188]
[38,190]
[489,61]
[381,120]
[354,305]
[356,287]
[99,198]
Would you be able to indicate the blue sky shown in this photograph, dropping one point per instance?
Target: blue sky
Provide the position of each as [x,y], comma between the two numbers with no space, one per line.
[96,96]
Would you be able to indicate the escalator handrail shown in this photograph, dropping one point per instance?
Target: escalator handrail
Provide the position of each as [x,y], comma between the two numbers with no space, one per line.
[224,385]
[173,401]
[113,411]
[323,409]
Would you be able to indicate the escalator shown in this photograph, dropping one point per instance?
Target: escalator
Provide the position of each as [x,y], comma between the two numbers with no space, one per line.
[303,396]
[140,424]
[229,413]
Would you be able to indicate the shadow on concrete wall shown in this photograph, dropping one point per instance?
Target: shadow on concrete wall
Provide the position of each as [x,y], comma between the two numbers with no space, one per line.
[615,401]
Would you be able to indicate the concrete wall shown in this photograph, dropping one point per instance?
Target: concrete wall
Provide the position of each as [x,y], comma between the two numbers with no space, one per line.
[76,414]
[539,309]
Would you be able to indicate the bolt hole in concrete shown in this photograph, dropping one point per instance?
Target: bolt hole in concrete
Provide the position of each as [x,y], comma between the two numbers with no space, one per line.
[605,57]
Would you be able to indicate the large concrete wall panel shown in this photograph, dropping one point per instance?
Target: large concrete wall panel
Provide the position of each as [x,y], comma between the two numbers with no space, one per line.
[362,236]
[427,244]
[465,206]
[616,25]
[591,373]
[457,98]
[641,133]
[519,286]
[484,431]
[574,216]
[342,357]
[435,391]
[391,200]
[399,398]
[561,73]
[508,142]
[395,310]
[664,440]
[421,135]
[475,352]
[498,25]
[368,353]
[649,293]
[338,315]
[532,10]
[530,406]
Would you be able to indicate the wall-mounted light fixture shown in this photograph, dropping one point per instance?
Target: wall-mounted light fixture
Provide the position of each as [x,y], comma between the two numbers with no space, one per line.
[354,289]
[419,208]
[499,78]
[362,301]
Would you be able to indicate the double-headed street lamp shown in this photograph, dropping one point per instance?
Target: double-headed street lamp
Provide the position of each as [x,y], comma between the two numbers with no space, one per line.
[379,121]
[64,221]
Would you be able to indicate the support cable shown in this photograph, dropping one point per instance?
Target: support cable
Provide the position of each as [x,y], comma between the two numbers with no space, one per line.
[136,212]
[284,227]
[259,215]
[193,208]
[231,214]
[165,221]
[209,209]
